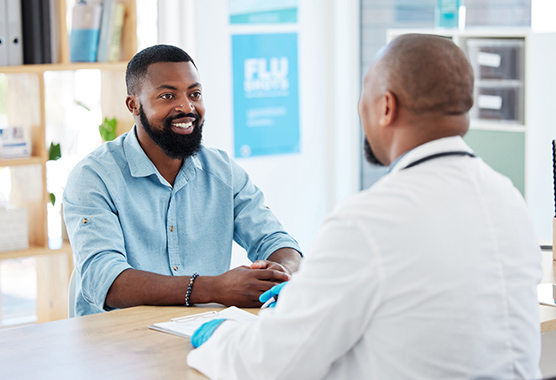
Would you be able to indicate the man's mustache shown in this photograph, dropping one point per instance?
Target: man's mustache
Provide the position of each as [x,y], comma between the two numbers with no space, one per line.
[182,115]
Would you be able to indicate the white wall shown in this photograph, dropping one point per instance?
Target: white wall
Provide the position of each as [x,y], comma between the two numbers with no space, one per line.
[541,81]
[300,188]
[541,78]
[542,15]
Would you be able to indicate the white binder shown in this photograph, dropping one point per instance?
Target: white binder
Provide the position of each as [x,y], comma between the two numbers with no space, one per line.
[106,28]
[3,33]
[15,40]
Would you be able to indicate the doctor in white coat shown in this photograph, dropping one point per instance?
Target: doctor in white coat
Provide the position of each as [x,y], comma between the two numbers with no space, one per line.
[429,274]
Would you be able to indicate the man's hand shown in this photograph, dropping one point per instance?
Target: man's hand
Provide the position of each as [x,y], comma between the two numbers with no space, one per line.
[240,286]
[287,258]
[266,264]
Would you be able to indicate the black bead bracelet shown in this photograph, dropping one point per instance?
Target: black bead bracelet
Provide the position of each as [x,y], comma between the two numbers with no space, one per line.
[189,288]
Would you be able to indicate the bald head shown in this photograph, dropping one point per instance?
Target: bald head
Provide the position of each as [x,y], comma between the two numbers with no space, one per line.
[428,74]
[419,89]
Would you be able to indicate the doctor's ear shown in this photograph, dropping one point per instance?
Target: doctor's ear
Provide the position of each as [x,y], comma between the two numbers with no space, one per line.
[388,108]
[132,104]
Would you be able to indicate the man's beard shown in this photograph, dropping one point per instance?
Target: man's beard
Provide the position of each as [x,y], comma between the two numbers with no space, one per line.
[369,154]
[171,143]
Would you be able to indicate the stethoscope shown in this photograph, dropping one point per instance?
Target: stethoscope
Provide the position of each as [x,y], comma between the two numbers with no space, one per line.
[438,155]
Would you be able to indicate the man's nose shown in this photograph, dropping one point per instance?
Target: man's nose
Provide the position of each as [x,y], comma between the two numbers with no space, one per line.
[185,107]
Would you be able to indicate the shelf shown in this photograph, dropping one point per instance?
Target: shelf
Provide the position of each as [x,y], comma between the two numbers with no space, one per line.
[497,83]
[494,32]
[39,69]
[25,103]
[498,126]
[33,160]
[35,251]
[469,32]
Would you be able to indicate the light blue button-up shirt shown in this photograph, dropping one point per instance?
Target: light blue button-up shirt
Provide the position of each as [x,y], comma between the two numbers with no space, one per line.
[121,213]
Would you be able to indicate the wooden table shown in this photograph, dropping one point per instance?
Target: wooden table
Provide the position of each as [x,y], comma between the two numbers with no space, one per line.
[119,345]
[113,345]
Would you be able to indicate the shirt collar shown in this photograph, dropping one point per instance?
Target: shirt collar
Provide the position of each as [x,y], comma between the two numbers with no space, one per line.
[141,166]
[391,166]
[446,144]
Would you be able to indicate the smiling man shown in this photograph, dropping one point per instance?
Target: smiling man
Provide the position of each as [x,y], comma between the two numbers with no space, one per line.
[151,216]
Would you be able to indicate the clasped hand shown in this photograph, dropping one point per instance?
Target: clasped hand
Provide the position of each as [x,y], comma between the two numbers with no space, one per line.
[243,285]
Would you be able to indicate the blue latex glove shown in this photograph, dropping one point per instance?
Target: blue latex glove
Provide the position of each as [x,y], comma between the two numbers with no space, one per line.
[272,293]
[204,332]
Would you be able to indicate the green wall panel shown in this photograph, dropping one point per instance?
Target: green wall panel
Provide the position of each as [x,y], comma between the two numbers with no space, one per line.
[503,151]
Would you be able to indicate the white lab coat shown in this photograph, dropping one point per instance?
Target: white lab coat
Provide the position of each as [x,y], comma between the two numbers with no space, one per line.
[429,274]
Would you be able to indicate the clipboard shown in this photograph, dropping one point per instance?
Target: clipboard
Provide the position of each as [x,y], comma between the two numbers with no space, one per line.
[186,326]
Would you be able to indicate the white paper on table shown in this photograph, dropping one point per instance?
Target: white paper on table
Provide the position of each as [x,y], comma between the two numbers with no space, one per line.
[186,326]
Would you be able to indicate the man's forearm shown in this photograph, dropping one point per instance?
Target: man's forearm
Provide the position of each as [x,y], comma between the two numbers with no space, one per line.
[135,287]
[239,286]
[289,258]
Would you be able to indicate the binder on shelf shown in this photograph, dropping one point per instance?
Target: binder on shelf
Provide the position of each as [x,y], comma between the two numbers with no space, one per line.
[45,31]
[3,33]
[85,28]
[54,32]
[31,28]
[14,40]
[112,23]
[106,28]
[116,38]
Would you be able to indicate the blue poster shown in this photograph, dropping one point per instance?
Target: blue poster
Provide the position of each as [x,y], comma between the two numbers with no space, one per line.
[266,101]
[263,12]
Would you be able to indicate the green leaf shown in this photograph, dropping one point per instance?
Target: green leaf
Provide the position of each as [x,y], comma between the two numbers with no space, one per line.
[108,129]
[54,152]
[80,103]
[52,198]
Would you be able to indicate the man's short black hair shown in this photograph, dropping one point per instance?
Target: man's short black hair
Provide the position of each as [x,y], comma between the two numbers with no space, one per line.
[137,67]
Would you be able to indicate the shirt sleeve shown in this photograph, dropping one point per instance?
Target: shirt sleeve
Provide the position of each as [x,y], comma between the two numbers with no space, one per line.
[94,232]
[256,229]
[322,313]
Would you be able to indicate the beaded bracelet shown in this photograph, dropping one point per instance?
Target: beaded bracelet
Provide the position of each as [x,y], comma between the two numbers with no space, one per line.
[189,288]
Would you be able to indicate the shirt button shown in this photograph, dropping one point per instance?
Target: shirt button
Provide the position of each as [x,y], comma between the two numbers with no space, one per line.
[85,220]
[171,228]
[175,268]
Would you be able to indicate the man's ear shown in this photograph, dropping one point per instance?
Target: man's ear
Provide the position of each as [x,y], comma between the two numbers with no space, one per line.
[132,104]
[388,109]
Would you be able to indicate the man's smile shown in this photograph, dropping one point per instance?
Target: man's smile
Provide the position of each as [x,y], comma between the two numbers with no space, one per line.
[183,125]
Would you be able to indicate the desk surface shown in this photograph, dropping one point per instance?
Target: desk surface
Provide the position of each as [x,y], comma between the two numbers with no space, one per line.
[114,345]
[118,344]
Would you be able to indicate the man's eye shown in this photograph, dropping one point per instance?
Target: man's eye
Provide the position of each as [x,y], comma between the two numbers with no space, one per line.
[196,94]
[166,96]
